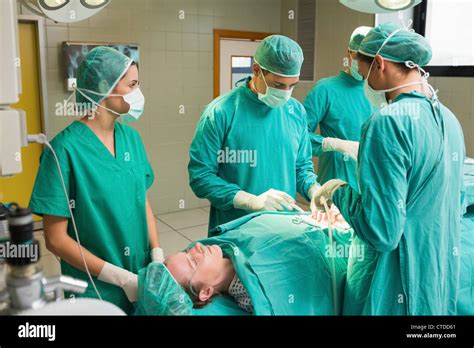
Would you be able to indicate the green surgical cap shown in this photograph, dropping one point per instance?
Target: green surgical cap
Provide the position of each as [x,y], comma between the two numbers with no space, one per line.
[357,36]
[160,294]
[280,55]
[404,46]
[100,71]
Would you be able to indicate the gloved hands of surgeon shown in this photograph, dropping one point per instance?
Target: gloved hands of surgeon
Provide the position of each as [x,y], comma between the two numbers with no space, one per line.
[351,148]
[127,280]
[271,200]
[324,194]
[157,255]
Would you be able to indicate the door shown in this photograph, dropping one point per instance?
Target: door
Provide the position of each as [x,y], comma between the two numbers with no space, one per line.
[233,57]
[18,188]
[236,62]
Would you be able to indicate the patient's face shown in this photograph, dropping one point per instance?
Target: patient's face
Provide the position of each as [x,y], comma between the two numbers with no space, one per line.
[202,264]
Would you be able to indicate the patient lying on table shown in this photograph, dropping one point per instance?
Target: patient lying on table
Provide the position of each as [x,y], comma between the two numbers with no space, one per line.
[269,263]
[203,271]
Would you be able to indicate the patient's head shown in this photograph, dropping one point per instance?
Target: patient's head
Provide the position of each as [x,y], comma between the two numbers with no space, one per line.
[200,270]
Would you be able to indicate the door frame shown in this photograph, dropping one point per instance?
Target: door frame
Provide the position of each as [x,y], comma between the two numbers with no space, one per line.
[39,23]
[230,34]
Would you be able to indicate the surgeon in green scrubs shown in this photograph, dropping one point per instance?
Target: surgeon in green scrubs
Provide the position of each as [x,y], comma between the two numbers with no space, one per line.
[339,107]
[106,174]
[251,150]
[408,211]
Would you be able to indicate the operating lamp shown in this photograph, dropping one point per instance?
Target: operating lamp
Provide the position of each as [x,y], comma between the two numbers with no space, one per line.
[65,11]
[379,6]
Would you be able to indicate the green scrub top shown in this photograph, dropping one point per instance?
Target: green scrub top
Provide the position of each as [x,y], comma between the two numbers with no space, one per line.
[242,144]
[338,105]
[408,211]
[108,197]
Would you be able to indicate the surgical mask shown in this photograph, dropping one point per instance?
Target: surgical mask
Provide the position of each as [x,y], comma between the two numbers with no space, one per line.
[274,97]
[378,98]
[135,99]
[355,70]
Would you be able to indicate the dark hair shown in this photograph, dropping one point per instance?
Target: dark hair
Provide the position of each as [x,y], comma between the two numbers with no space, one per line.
[363,58]
[197,303]
[368,60]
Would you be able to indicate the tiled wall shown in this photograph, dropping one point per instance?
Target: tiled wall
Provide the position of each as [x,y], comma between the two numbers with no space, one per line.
[176,68]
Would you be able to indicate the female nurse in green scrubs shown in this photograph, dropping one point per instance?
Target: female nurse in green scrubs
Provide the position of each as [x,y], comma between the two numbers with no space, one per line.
[107,175]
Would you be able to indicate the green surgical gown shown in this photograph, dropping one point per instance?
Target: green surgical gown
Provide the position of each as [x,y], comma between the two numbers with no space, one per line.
[108,197]
[338,105]
[408,211]
[242,144]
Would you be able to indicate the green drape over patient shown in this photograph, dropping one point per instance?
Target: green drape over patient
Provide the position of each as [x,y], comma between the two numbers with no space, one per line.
[283,264]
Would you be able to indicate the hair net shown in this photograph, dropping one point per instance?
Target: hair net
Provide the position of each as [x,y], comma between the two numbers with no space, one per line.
[357,36]
[405,45]
[100,71]
[280,55]
[160,294]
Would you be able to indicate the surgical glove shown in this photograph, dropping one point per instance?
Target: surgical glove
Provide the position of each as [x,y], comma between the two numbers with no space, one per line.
[128,281]
[313,189]
[325,192]
[348,147]
[157,255]
[271,200]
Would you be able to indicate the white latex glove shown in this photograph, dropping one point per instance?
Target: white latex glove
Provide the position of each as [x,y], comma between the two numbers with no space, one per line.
[313,189]
[351,148]
[127,280]
[157,255]
[271,200]
[326,191]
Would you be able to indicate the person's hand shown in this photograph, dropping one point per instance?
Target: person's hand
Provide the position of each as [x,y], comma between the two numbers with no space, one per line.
[157,255]
[271,200]
[120,277]
[351,148]
[130,287]
[325,193]
[334,215]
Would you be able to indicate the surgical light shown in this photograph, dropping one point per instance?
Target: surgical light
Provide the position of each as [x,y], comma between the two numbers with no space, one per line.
[94,3]
[66,11]
[396,5]
[379,6]
[53,4]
